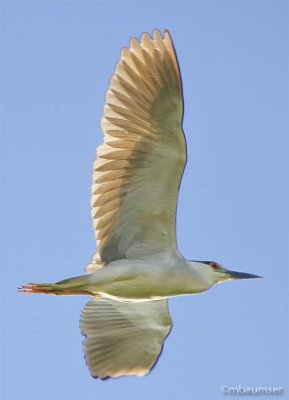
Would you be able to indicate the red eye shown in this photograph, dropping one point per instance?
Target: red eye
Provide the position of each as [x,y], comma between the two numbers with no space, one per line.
[214,265]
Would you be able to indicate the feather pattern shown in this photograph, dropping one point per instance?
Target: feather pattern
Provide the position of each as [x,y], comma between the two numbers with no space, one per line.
[139,166]
[123,338]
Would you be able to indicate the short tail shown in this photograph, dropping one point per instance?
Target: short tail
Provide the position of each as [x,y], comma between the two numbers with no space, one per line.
[73,286]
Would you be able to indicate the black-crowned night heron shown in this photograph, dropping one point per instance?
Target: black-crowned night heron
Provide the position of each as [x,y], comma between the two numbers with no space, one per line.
[136,181]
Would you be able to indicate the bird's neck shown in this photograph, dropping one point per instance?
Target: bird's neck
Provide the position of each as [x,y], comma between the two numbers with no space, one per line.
[201,276]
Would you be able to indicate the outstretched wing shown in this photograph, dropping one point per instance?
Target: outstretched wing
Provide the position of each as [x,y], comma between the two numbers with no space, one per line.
[139,166]
[123,338]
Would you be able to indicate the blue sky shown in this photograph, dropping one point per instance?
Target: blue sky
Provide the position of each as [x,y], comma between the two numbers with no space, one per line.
[233,208]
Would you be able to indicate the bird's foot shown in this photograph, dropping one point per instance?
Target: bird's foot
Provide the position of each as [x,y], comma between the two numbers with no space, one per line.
[44,288]
[58,289]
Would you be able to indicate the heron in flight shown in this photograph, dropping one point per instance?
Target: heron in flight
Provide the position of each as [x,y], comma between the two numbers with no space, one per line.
[136,180]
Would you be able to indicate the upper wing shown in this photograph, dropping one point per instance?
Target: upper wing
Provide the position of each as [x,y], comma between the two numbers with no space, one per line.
[123,338]
[139,166]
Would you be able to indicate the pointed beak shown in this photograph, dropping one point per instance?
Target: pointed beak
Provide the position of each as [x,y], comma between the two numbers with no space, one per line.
[241,275]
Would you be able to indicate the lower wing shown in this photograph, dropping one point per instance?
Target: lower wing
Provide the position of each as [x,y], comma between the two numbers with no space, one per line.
[123,338]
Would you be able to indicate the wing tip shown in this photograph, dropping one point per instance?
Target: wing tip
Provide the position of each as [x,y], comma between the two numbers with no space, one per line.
[155,36]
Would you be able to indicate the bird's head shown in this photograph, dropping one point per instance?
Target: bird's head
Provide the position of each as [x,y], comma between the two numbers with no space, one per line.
[218,273]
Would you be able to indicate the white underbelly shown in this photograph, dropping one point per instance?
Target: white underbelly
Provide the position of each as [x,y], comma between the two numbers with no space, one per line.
[145,280]
[131,299]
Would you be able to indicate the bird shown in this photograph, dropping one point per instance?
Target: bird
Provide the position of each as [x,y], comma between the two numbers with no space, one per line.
[136,180]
